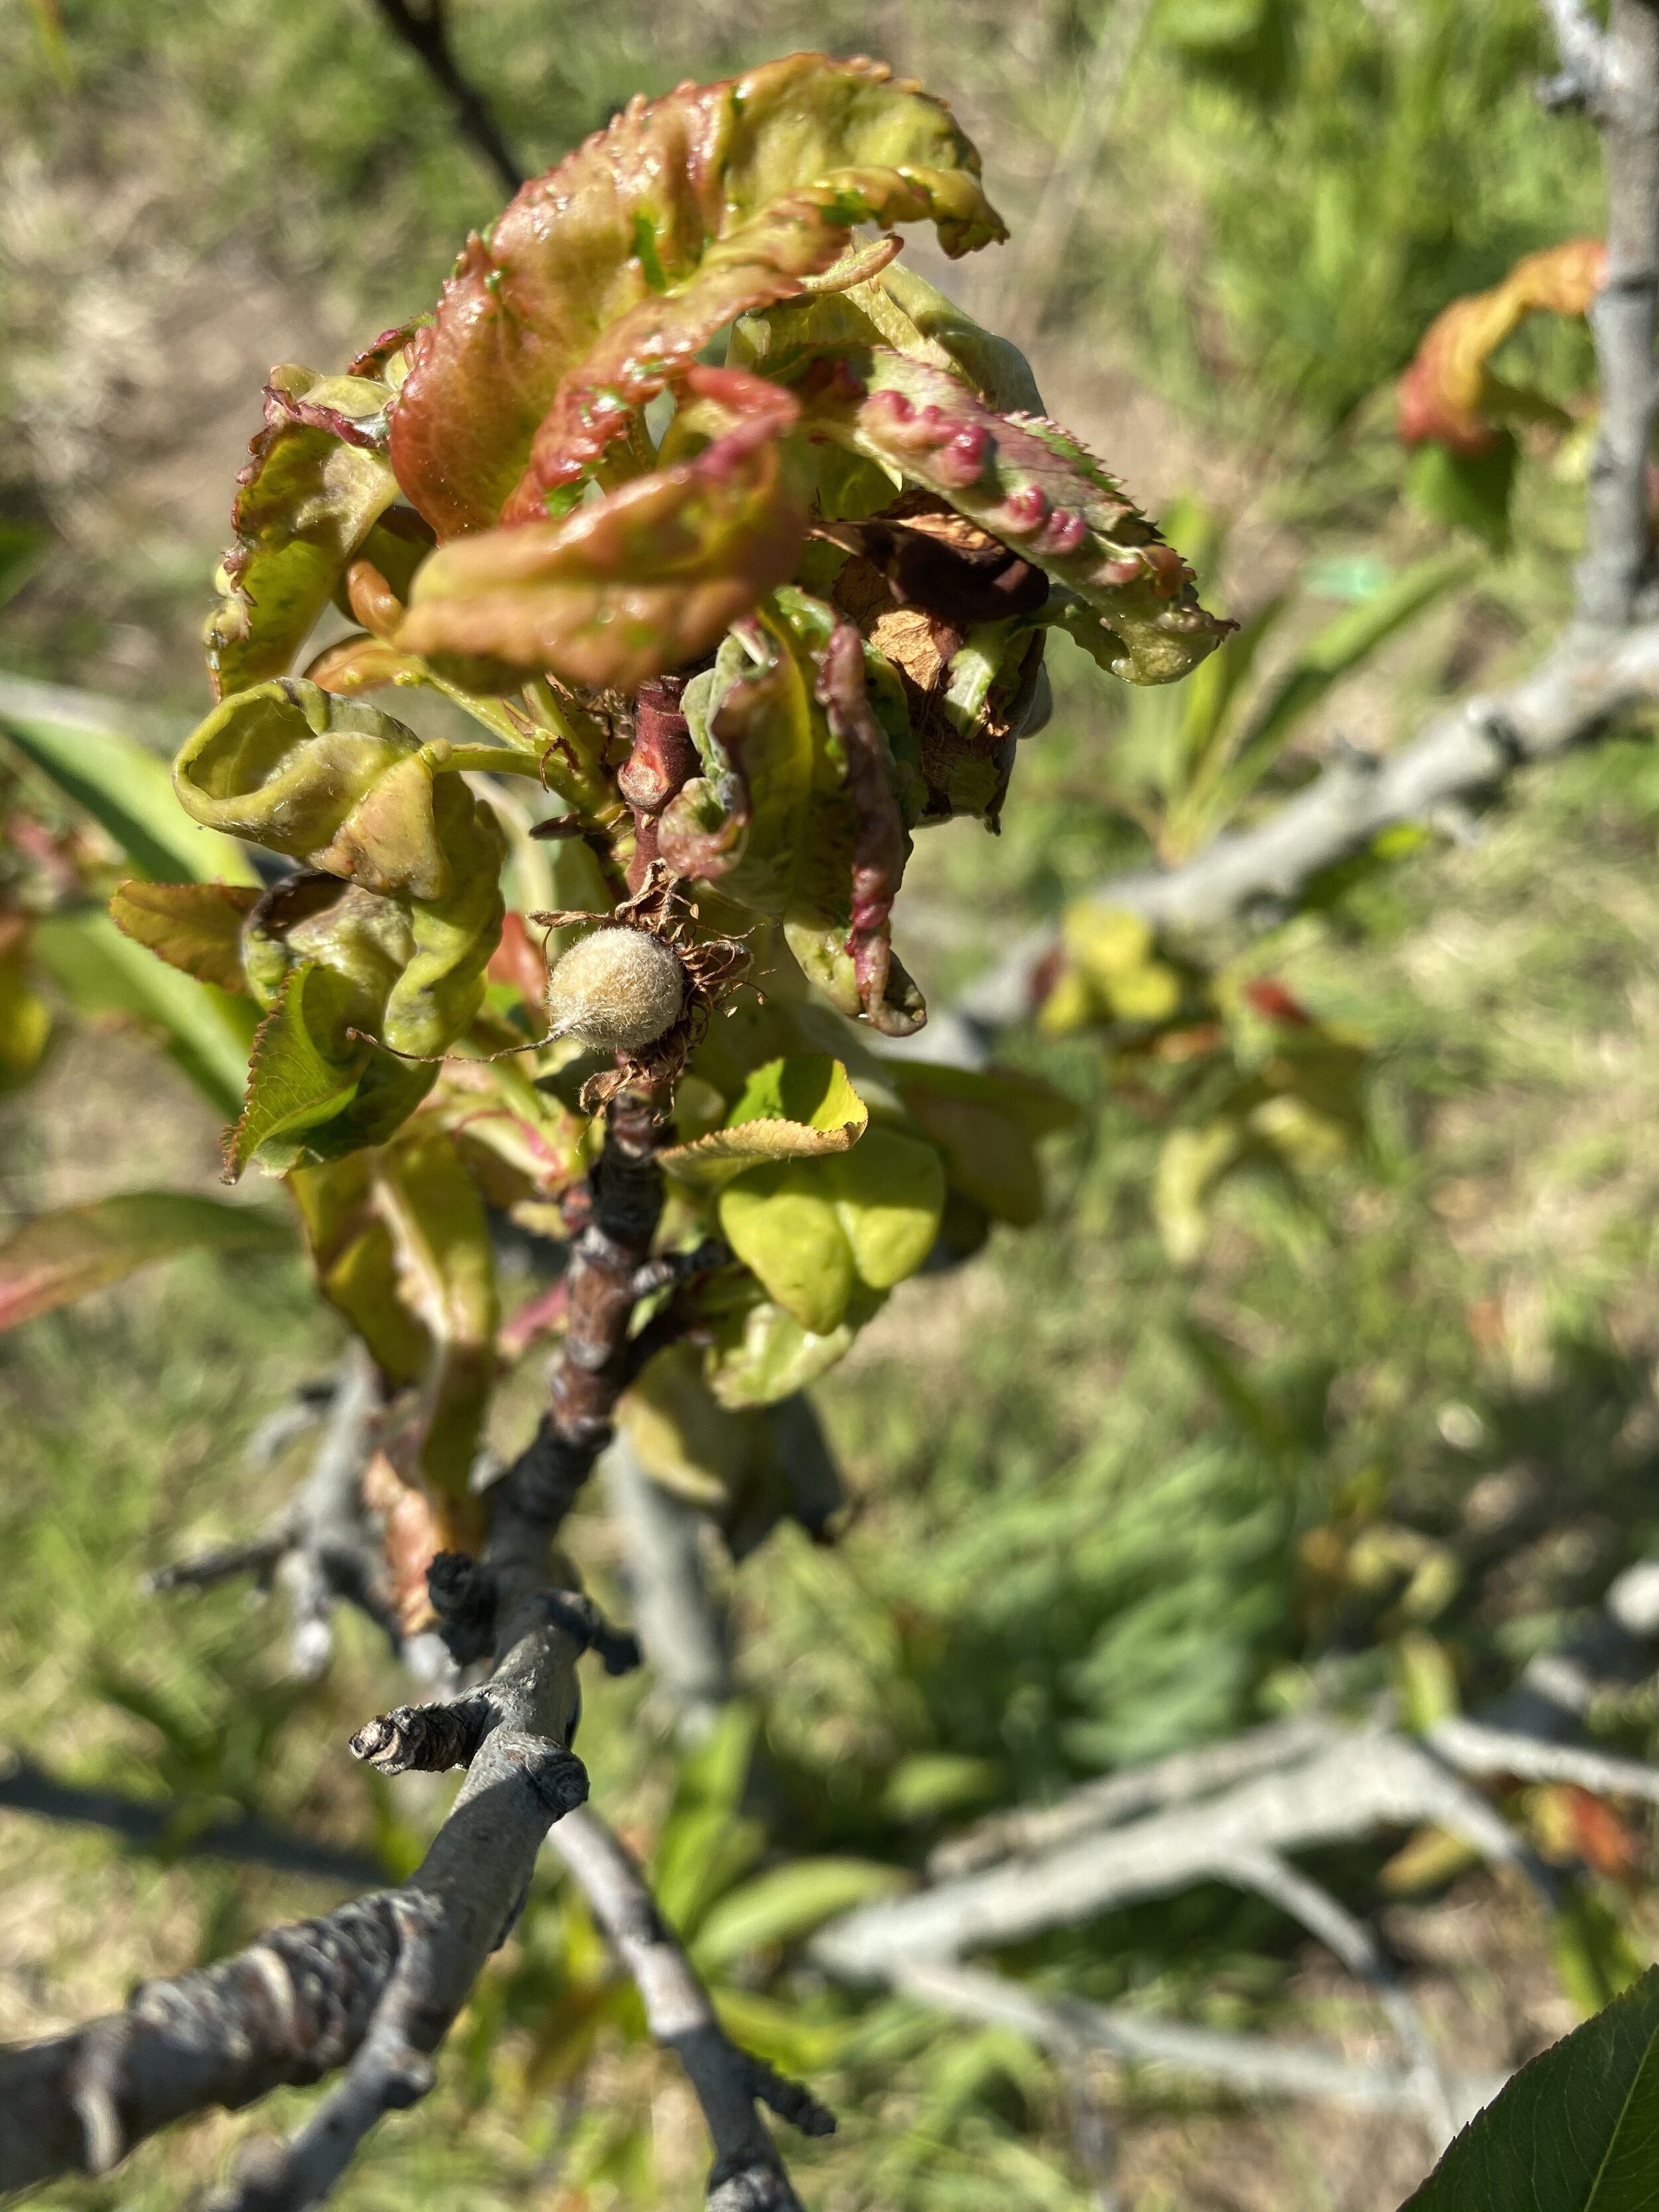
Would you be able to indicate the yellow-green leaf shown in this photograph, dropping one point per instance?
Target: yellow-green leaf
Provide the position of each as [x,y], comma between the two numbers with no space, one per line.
[889,1195]
[788,1902]
[784,1226]
[195,926]
[790,1109]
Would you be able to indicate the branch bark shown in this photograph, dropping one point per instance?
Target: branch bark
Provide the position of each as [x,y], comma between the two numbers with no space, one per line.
[1580,689]
[1358,1783]
[1617,563]
[748,2174]
[377,1984]
[1252,2064]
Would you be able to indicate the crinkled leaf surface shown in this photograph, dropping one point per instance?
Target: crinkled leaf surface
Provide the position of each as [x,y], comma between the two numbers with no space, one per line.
[1034,487]
[790,1109]
[316,482]
[633,213]
[58,1257]
[194,926]
[645,579]
[1577,2131]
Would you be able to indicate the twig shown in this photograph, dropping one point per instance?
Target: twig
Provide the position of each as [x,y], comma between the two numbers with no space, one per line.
[302,2002]
[1582,687]
[1176,1780]
[1616,562]
[1361,1782]
[1326,1916]
[425,30]
[1252,2064]
[1578,41]
[1474,1748]
[321,1547]
[748,2174]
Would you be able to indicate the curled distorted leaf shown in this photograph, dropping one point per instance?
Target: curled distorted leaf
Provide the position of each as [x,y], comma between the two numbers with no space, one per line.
[405,907]
[195,926]
[312,1093]
[1448,395]
[789,1108]
[893,308]
[317,480]
[643,580]
[336,784]
[1031,484]
[633,213]
[814,1230]
[880,846]
[59,1257]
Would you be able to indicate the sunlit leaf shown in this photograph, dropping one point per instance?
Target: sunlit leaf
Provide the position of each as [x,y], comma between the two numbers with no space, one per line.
[194,926]
[316,482]
[632,213]
[789,1108]
[645,579]
[1448,394]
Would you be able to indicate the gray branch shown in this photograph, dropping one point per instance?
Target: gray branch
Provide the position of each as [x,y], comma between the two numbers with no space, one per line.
[304,2000]
[1616,564]
[748,2174]
[1584,686]
[1583,49]
[320,1548]
[1358,1783]
[1325,1917]
[1252,2064]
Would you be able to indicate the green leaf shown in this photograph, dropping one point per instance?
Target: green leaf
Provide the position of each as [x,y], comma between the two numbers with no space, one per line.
[77,741]
[24,1024]
[195,926]
[789,1108]
[22,547]
[784,1225]
[293,1085]
[788,1902]
[890,1194]
[1577,2131]
[101,972]
[59,1257]
[985,1124]
[762,1355]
